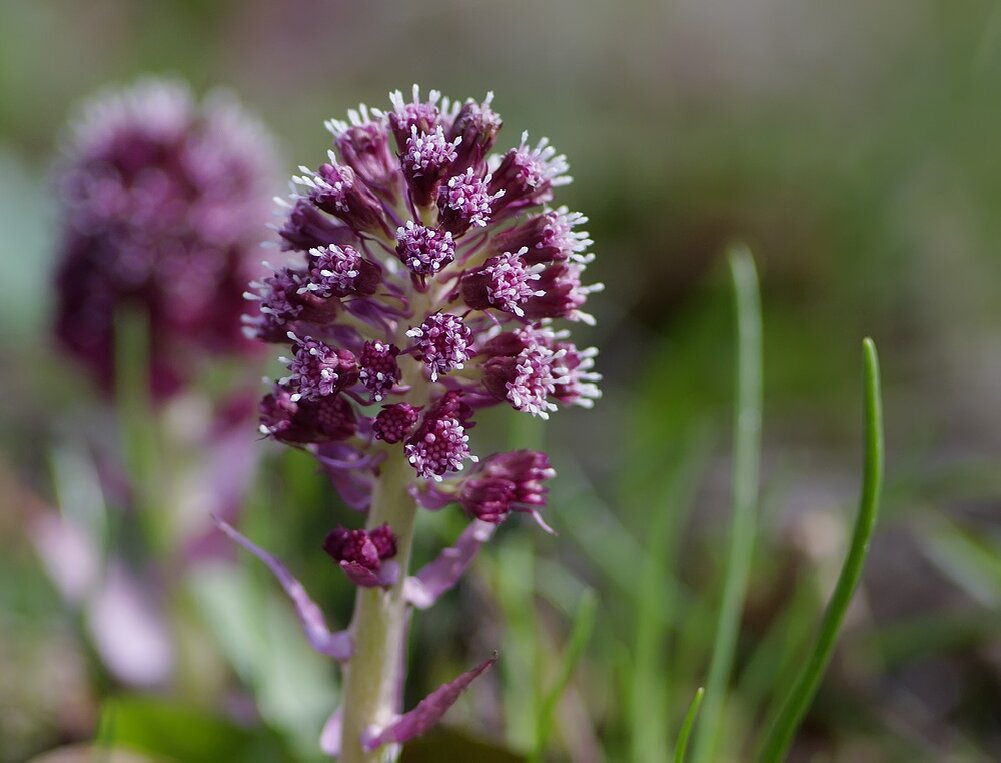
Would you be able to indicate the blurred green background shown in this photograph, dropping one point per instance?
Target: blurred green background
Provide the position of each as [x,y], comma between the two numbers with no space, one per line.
[854,146]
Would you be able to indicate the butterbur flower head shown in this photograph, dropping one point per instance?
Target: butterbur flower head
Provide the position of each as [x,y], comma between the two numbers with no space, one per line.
[417,115]
[363,555]
[427,273]
[548,237]
[364,145]
[528,175]
[163,199]
[306,227]
[335,190]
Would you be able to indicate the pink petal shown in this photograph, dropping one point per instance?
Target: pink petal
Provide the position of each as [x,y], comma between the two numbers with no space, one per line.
[129,631]
[330,737]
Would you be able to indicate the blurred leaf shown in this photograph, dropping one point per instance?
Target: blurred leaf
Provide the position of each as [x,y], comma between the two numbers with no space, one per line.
[514,581]
[972,562]
[583,625]
[257,630]
[91,753]
[185,733]
[444,744]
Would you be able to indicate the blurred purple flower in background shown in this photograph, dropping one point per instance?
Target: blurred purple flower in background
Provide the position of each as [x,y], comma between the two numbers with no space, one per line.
[427,275]
[162,200]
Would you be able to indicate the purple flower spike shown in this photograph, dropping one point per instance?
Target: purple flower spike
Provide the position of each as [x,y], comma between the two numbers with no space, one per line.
[338,645]
[435,578]
[456,312]
[426,714]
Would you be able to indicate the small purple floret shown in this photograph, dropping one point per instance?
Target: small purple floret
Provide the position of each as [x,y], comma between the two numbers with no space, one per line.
[442,342]
[378,370]
[395,422]
[424,250]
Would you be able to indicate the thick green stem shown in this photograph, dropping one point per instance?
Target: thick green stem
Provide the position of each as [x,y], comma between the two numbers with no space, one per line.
[373,679]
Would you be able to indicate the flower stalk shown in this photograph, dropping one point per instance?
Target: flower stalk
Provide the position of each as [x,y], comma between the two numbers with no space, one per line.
[374,677]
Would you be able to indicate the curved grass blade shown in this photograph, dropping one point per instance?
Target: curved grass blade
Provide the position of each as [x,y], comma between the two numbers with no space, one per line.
[686,728]
[790,715]
[747,451]
[582,626]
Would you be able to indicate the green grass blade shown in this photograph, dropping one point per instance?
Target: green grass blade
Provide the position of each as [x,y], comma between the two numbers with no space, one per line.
[780,734]
[656,603]
[686,728]
[514,581]
[583,625]
[747,451]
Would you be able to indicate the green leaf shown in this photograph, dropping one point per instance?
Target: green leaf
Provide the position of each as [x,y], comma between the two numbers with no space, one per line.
[170,729]
[780,735]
